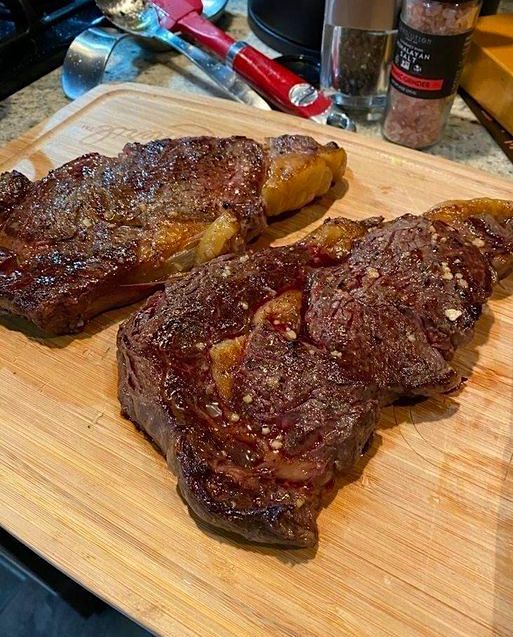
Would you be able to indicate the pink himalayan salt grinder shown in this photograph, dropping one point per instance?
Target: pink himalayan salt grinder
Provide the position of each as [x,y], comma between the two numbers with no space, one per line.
[432,43]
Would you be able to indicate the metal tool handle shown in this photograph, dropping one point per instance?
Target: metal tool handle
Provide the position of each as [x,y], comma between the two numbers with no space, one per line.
[221,74]
[278,84]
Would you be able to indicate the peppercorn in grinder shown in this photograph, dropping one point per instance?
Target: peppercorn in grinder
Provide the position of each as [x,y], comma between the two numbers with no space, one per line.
[357,49]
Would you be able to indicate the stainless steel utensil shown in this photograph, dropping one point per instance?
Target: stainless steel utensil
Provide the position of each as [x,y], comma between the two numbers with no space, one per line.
[88,56]
[142,19]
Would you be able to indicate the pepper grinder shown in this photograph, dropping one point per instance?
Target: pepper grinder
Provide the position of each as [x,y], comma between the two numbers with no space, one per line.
[357,48]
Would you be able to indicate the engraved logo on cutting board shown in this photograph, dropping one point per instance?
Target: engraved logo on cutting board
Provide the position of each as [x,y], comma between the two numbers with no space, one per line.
[103,138]
[94,134]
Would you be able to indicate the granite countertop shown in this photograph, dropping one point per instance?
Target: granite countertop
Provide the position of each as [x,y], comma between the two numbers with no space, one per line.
[465,140]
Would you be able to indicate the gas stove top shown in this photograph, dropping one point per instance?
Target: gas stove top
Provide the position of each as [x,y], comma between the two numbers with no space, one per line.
[34,37]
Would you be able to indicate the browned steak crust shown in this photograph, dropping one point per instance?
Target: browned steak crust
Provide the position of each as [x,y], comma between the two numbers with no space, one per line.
[71,239]
[260,378]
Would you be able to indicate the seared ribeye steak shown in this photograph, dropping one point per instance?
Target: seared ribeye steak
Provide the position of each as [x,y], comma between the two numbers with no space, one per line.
[89,235]
[261,377]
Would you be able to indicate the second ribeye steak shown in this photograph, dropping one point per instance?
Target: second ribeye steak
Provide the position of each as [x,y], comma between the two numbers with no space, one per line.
[261,377]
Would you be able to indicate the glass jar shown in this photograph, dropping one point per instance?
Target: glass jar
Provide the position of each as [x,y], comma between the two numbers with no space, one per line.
[432,43]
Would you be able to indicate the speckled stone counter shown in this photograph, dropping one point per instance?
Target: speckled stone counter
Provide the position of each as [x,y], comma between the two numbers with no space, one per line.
[465,139]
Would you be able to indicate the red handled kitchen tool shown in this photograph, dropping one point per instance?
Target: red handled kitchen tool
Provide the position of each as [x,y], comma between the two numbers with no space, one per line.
[285,89]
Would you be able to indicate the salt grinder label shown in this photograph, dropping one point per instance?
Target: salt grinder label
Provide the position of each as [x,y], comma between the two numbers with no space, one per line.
[428,66]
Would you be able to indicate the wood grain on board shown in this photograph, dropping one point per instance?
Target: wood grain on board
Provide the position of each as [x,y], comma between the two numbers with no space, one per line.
[417,543]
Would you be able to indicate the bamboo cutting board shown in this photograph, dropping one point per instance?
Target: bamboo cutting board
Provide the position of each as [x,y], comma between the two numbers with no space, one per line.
[418,543]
